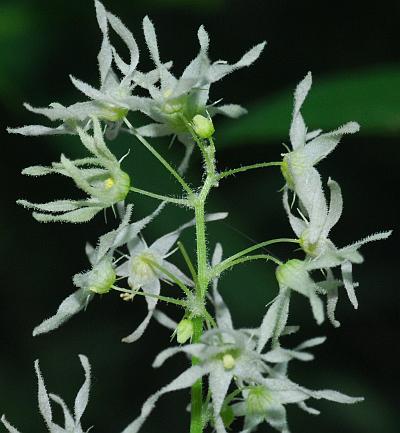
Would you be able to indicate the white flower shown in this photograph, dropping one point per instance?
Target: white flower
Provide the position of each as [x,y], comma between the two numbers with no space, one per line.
[308,147]
[177,100]
[72,422]
[97,279]
[229,356]
[112,101]
[313,232]
[146,266]
[99,176]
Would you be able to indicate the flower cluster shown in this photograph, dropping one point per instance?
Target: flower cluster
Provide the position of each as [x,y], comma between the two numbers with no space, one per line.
[243,380]
[246,369]
[172,102]
[316,218]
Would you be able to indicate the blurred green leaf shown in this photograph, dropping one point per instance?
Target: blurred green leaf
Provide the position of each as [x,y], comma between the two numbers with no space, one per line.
[203,5]
[370,97]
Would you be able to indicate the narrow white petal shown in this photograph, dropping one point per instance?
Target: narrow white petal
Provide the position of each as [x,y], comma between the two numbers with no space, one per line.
[164,320]
[82,215]
[43,399]
[274,320]
[154,130]
[298,128]
[189,349]
[335,207]
[233,111]
[72,305]
[184,380]
[82,397]
[8,426]
[69,422]
[139,331]
[346,268]
[298,225]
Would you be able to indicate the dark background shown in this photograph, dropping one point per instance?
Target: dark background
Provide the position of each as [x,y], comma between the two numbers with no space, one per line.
[353,50]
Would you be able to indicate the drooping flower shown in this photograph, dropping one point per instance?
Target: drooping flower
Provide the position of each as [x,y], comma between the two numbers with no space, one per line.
[72,422]
[112,101]
[308,148]
[177,101]
[313,230]
[100,278]
[99,176]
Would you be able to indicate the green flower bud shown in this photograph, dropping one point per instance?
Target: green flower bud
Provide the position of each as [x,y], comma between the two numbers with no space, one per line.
[102,277]
[203,126]
[258,401]
[184,331]
[291,272]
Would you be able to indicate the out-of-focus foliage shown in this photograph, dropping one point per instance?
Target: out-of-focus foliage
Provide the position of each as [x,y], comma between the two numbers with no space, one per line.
[370,96]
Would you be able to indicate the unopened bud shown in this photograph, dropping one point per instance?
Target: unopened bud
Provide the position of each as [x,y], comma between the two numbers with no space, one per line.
[102,277]
[203,126]
[184,331]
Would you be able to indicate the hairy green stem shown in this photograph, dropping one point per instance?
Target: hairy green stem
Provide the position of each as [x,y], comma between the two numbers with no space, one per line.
[203,278]
[236,256]
[151,149]
[247,167]
[245,259]
[179,201]
[196,419]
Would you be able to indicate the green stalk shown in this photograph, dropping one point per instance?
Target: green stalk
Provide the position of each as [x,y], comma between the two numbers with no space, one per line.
[203,278]
[196,421]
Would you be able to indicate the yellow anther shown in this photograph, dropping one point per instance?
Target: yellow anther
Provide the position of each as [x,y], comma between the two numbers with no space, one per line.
[228,361]
[109,183]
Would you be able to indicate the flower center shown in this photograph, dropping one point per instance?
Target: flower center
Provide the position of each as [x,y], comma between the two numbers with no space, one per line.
[228,361]
[141,269]
[109,183]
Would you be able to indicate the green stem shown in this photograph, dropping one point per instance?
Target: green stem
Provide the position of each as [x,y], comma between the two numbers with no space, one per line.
[189,263]
[167,299]
[196,422]
[203,279]
[244,259]
[151,149]
[180,201]
[253,248]
[172,277]
[247,167]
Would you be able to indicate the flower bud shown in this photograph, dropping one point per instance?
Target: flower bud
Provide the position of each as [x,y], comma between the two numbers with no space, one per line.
[101,277]
[203,126]
[258,401]
[184,331]
[228,361]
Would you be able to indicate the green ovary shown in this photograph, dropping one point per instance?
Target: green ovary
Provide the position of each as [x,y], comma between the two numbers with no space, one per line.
[258,401]
[102,278]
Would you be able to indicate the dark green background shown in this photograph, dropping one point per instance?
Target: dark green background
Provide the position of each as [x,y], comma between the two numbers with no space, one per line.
[353,50]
